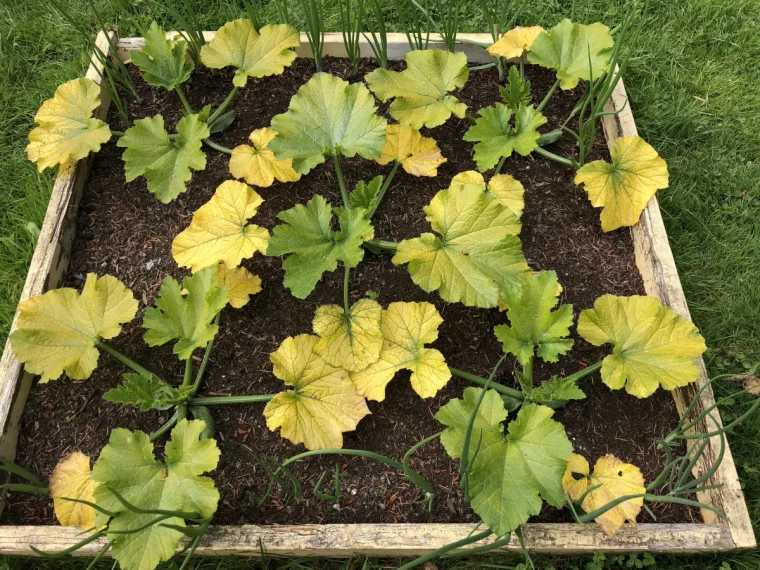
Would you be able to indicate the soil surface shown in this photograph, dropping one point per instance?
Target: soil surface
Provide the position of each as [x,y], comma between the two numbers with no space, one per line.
[124,231]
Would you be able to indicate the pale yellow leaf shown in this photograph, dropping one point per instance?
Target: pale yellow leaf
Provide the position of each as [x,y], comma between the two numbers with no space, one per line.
[72,479]
[352,341]
[240,282]
[258,165]
[504,187]
[418,155]
[515,42]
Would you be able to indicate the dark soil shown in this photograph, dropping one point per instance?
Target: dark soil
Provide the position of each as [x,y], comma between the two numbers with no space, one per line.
[124,231]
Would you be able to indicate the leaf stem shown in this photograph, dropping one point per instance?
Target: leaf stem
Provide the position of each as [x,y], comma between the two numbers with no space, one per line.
[469,118]
[188,372]
[499,166]
[183,98]
[206,357]
[346,278]
[341,182]
[229,400]
[528,371]
[584,372]
[168,424]
[223,107]
[511,392]
[118,133]
[444,549]
[550,155]
[218,147]
[484,66]
[383,190]
[547,98]
[388,246]
[123,359]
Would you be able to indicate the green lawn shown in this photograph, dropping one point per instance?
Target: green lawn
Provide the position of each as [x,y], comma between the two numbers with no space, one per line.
[694,89]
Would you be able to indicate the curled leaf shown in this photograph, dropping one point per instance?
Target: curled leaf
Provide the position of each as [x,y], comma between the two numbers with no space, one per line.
[258,165]
[161,60]
[418,155]
[350,341]
[515,42]
[240,283]
[72,479]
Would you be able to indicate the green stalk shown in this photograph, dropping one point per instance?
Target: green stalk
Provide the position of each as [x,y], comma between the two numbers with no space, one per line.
[499,166]
[123,359]
[220,148]
[444,549]
[206,357]
[188,372]
[584,372]
[181,411]
[223,107]
[511,392]
[165,427]
[528,372]
[118,133]
[469,118]
[346,308]
[484,66]
[341,182]
[548,97]
[183,98]
[229,400]
[383,190]
[387,246]
[550,155]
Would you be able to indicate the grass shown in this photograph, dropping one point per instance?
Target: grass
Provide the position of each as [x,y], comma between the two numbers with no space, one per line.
[693,86]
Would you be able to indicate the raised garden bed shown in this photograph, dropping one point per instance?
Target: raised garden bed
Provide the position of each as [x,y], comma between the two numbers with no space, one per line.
[94,227]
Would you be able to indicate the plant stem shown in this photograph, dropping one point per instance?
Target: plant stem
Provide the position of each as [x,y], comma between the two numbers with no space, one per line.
[469,118]
[499,166]
[206,356]
[444,549]
[511,392]
[165,427]
[584,372]
[388,246]
[548,97]
[220,148]
[383,190]
[484,66]
[118,133]
[341,182]
[183,98]
[528,371]
[223,107]
[550,155]
[188,372]
[123,359]
[346,277]
[229,400]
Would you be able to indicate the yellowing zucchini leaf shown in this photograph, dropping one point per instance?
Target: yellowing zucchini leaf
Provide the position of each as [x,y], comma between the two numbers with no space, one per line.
[323,403]
[165,162]
[421,91]
[513,471]
[186,317]
[623,188]
[162,61]
[418,155]
[220,230]
[613,479]
[72,479]
[406,329]
[328,117]
[504,187]
[66,130]
[653,346]
[313,246]
[240,283]
[254,54]
[478,253]
[496,138]
[566,48]
[58,331]
[350,341]
[127,465]
[535,327]
[515,42]
[258,165]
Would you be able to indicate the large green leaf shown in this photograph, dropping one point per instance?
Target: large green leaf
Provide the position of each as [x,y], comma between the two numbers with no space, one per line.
[164,161]
[653,346]
[312,245]
[496,138]
[127,466]
[421,91]
[512,472]
[477,253]
[186,318]
[328,117]
[146,392]
[162,61]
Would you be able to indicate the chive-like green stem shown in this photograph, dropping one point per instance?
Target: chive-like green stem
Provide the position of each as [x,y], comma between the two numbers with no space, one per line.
[584,372]
[223,107]
[183,98]
[550,155]
[511,392]
[230,400]
[123,359]
[218,147]
[548,97]
[388,246]
[383,190]
[341,182]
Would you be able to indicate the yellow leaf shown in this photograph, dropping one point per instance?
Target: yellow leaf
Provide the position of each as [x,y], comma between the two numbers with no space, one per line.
[352,341]
[406,328]
[67,131]
[615,479]
[57,331]
[220,230]
[506,188]
[623,189]
[515,42]
[258,165]
[418,155]
[72,479]
[324,402]
[240,283]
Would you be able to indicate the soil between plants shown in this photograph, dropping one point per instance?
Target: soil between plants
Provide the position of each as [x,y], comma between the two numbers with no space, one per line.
[124,231]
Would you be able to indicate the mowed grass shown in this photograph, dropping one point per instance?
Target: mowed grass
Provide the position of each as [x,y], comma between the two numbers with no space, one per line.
[693,85]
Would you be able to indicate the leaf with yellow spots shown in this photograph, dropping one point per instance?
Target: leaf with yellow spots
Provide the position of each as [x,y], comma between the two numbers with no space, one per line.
[350,341]
[72,479]
[613,479]
[406,329]
[258,165]
[418,155]
[324,402]
[240,282]
[515,42]
[506,188]
[624,187]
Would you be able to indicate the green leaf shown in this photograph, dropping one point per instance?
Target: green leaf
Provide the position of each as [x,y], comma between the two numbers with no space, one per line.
[567,47]
[146,392]
[312,245]
[535,327]
[517,91]
[477,254]
[186,318]
[328,117]
[164,162]
[556,389]
[162,61]
[366,194]
[496,138]
[421,91]
[512,472]
[127,465]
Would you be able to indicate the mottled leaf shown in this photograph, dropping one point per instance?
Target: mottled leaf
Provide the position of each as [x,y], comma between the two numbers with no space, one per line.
[515,42]
[72,479]
[350,341]
[258,165]
[240,283]
[418,155]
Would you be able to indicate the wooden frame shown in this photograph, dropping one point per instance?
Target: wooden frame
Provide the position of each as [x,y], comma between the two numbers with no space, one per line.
[655,262]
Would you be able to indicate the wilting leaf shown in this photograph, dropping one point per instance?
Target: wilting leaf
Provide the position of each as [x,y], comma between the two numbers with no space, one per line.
[307,235]
[127,465]
[166,163]
[421,91]
[57,331]
[254,54]
[328,117]
[72,479]
[653,346]
[220,230]
[240,283]
[567,47]
[162,61]
[503,187]
[186,318]
[477,254]
[258,165]
[406,329]
[496,138]
[418,155]
[67,131]
[512,472]
[613,479]
[535,327]
[515,42]
[350,341]
[555,389]
[366,195]
[323,403]
[146,392]
[623,189]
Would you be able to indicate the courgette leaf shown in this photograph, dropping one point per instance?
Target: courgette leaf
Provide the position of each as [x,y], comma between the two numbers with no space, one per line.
[515,42]
[72,479]
[418,155]
[350,341]
[555,389]
[504,187]
[240,283]
[146,392]
[258,165]
[366,194]
[162,61]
